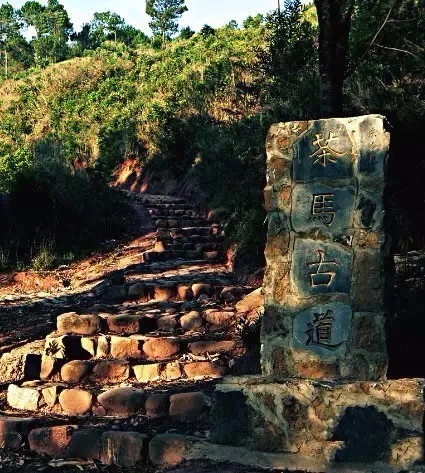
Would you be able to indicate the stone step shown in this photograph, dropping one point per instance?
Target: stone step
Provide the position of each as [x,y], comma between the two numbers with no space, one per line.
[61,399]
[135,347]
[166,222]
[178,213]
[128,323]
[189,255]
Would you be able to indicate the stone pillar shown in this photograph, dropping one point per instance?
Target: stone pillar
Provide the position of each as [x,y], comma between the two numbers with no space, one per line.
[323,395]
[326,250]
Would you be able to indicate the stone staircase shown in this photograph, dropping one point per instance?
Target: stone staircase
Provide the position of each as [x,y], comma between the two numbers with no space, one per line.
[140,360]
[182,232]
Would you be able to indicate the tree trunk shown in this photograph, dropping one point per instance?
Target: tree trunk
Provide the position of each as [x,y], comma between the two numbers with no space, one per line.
[334,31]
[6,63]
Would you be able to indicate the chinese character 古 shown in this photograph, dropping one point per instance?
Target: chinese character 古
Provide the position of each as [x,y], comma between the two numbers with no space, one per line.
[321,275]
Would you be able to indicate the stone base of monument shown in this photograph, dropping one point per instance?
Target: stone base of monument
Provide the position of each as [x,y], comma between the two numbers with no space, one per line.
[323,424]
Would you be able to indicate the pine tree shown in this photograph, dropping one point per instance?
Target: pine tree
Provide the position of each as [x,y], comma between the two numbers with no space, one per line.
[164,14]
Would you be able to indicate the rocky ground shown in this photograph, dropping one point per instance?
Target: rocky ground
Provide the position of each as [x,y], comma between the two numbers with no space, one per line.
[124,346]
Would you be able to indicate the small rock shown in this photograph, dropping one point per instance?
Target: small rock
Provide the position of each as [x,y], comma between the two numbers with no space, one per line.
[215,317]
[124,449]
[75,401]
[24,399]
[231,293]
[170,449]
[115,293]
[122,401]
[102,349]
[168,323]
[163,293]
[48,367]
[161,348]
[52,441]
[251,302]
[157,405]
[136,291]
[201,369]
[172,371]
[85,324]
[199,289]
[86,444]
[188,406]
[13,430]
[111,371]
[74,371]
[184,293]
[147,373]
[202,348]
[191,321]
[123,324]
[122,347]
[50,395]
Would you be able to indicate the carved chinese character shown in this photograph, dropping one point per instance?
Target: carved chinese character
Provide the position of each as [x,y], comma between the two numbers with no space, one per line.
[319,332]
[325,152]
[322,209]
[322,275]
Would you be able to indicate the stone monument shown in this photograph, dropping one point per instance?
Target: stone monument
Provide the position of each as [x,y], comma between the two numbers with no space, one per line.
[324,393]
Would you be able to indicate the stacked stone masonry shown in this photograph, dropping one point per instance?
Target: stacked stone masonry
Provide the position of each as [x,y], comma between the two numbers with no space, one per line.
[326,250]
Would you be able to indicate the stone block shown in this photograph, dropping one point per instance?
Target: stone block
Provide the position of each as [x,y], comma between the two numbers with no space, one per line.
[170,449]
[147,373]
[368,281]
[169,323]
[305,332]
[50,395]
[75,401]
[102,347]
[199,289]
[371,420]
[232,293]
[253,301]
[84,324]
[124,449]
[191,321]
[189,406]
[203,369]
[163,293]
[125,348]
[222,346]
[161,348]
[123,324]
[323,152]
[319,206]
[321,268]
[184,293]
[15,368]
[86,444]
[136,291]
[157,405]
[218,317]
[74,371]
[172,371]
[67,347]
[24,399]
[114,371]
[13,431]
[122,401]
[52,441]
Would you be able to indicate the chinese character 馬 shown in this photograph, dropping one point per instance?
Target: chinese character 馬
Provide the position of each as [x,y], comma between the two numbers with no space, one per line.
[322,208]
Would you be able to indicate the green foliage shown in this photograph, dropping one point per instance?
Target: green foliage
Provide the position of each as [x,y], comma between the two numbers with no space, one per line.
[45,257]
[165,15]
[106,25]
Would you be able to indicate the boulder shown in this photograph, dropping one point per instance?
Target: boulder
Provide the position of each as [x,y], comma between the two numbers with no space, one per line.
[202,348]
[52,441]
[84,324]
[24,399]
[147,373]
[161,348]
[203,369]
[111,371]
[191,321]
[157,405]
[122,401]
[74,371]
[123,324]
[125,348]
[188,406]
[75,401]
[124,449]
[199,289]
[86,444]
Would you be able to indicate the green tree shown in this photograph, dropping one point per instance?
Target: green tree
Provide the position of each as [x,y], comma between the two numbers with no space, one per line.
[186,33]
[11,41]
[107,25]
[164,14]
[53,30]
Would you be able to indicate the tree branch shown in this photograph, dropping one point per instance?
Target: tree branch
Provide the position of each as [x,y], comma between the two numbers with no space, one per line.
[387,17]
[399,50]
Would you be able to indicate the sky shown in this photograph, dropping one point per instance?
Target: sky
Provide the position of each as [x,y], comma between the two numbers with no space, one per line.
[212,12]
